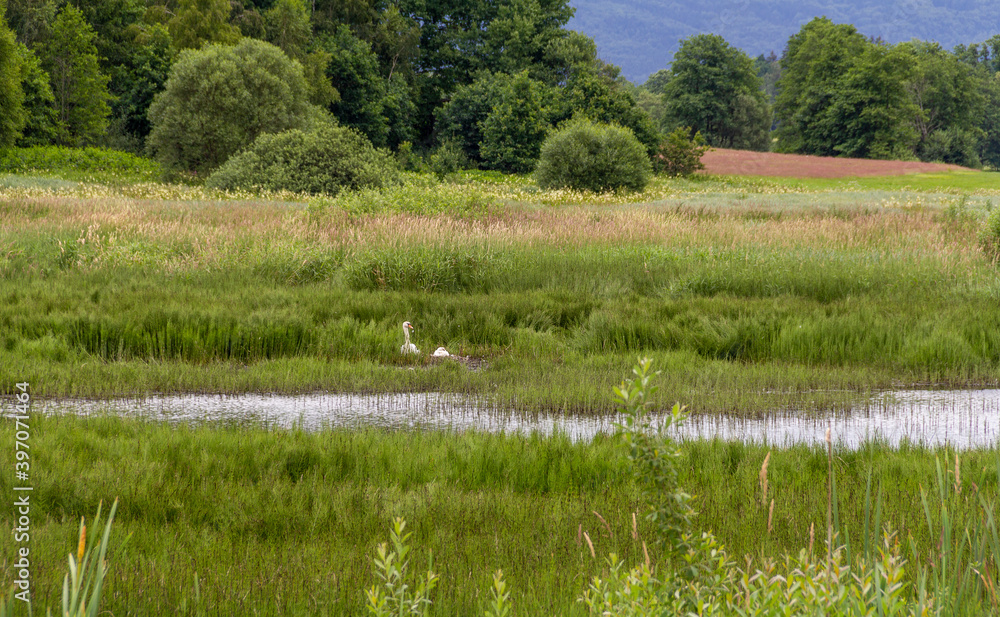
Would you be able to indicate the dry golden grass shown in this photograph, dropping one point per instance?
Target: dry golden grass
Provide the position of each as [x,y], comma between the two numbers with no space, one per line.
[202,232]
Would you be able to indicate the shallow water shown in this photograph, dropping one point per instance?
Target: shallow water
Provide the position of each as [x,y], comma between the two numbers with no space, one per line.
[960,418]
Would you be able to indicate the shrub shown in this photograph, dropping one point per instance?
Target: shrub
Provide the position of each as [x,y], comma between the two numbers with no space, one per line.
[654,456]
[516,127]
[407,159]
[325,160]
[448,159]
[591,156]
[220,98]
[680,154]
[77,161]
[954,145]
[401,593]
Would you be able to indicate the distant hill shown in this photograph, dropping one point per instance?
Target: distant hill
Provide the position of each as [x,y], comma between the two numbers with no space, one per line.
[641,35]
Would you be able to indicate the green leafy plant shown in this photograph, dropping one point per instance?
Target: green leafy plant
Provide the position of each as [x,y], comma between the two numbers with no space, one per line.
[407,159]
[448,159]
[591,156]
[704,581]
[84,583]
[680,153]
[499,597]
[326,160]
[399,595]
[654,456]
[75,162]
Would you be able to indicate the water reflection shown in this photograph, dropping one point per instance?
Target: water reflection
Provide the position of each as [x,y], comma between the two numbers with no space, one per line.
[963,419]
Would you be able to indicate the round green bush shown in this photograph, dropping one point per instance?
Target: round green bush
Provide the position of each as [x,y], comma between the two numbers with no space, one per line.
[328,160]
[219,98]
[591,156]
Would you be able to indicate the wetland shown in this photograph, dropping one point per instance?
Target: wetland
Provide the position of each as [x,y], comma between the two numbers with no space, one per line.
[228,365]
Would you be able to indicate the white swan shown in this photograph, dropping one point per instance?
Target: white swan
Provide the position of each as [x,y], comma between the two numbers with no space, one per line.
[440,352]
[408,347]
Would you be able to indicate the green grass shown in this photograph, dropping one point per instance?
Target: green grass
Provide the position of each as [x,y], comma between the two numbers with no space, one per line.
[751,294]
[742,294]
[956,182]
[553,326]
[286,522]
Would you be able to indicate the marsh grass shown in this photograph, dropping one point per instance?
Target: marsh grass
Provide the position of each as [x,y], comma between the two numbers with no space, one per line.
[286,522]
[113,295]
[748,286]
[428,269]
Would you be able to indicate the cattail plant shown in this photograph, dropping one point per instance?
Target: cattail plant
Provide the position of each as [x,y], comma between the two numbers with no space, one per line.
[763,479]
[82,586]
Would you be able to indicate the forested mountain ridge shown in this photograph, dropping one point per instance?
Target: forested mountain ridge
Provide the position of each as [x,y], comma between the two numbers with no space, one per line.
[641,36]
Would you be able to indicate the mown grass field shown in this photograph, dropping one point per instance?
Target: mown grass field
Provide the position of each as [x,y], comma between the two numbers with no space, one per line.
[750,294]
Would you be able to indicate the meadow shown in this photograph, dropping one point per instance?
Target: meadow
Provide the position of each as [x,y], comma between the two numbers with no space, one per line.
[749,292]
[217,520]
[750,295]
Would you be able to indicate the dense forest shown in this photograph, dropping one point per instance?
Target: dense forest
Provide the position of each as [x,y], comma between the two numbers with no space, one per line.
[642,35]
[459,83]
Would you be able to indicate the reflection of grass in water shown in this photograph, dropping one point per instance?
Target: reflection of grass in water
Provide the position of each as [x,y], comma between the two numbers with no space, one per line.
[262,515]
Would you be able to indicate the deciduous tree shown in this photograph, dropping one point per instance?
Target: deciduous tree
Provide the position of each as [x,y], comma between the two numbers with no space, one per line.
[199,22]
[813,63]
[41,125]
[288,28]
[714,89]
[949,103]
[459,121]
[989,146]
[78,85]
[141,78]
[594,91]
[870,114]
[516,127]
[11,95]
[353,70]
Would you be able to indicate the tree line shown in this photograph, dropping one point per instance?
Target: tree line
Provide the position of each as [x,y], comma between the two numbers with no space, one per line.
[484,78]
[835,92]
[479,83]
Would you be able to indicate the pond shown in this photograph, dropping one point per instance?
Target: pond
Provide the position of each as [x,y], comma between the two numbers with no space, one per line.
[960,418]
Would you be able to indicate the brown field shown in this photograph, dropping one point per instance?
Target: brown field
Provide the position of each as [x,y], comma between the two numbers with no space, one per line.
[747,163]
